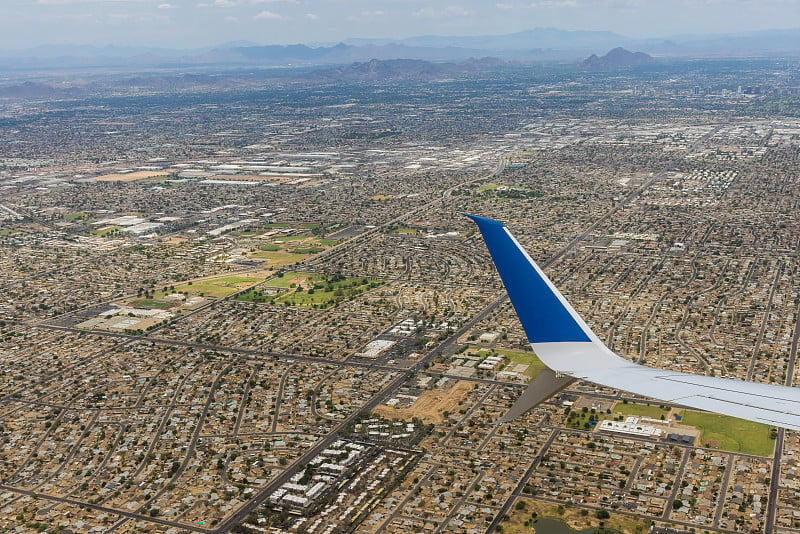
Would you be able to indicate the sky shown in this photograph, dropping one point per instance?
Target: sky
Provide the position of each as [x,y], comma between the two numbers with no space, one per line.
[201,23]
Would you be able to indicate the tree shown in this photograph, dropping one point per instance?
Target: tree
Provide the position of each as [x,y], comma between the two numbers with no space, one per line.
[602,514]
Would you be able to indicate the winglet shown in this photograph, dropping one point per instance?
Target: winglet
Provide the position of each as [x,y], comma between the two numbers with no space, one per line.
[563,341]
[544,313]
[546,384]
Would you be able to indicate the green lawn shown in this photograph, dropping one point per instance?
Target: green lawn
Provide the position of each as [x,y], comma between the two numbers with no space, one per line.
[102,232]
[257,295]
[310,290]
[487,187]
[75,216]
[618,412]
[641,410]
[216,287]
[729,433]
[153,303]
[620,409]
[270,247]
[579,419]
[325,297]
[327,242]
[286,279]
[278,259]
[233,280]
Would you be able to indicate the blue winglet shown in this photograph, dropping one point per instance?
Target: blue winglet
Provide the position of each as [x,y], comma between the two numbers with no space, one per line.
[543,315]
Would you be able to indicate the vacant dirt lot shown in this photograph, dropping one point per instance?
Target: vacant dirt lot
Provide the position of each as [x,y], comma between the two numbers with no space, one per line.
[133,176]
[431,405]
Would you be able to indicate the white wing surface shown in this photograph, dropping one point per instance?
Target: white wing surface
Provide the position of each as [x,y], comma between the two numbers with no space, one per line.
[563,341]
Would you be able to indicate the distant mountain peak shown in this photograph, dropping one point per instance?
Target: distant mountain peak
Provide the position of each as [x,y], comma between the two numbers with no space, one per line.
[617,58]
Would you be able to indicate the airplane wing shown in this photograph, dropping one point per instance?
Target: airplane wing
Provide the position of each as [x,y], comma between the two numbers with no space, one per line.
[564,342]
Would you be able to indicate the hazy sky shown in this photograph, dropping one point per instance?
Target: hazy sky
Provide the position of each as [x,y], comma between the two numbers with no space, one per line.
[193,23]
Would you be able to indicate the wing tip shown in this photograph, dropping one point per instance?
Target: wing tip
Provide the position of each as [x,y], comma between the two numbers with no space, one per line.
[482,221]
[545,314]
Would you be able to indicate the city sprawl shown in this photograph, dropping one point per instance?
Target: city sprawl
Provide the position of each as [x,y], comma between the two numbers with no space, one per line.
[257,306]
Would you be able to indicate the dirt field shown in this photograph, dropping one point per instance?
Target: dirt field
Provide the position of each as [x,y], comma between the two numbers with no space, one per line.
[431,405]
[133,176]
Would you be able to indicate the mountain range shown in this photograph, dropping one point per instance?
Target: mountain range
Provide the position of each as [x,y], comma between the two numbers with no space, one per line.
[541,44]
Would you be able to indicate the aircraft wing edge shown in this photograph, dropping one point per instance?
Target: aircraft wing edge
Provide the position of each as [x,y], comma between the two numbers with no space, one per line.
[566,344]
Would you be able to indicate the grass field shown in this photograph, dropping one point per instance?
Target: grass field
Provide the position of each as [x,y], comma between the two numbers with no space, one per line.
[641,410]
[620,409]
[730,433]
[580,419]
[291,249]
[258,296]
[102,232]
[287,279]
[278,259]
[519,515]
[326,291]
[309,290]
[216,287]
[75,216]
[487,187]
[153,303]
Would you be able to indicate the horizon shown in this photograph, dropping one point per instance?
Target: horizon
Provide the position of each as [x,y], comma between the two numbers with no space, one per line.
[192,24]
[359,41]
